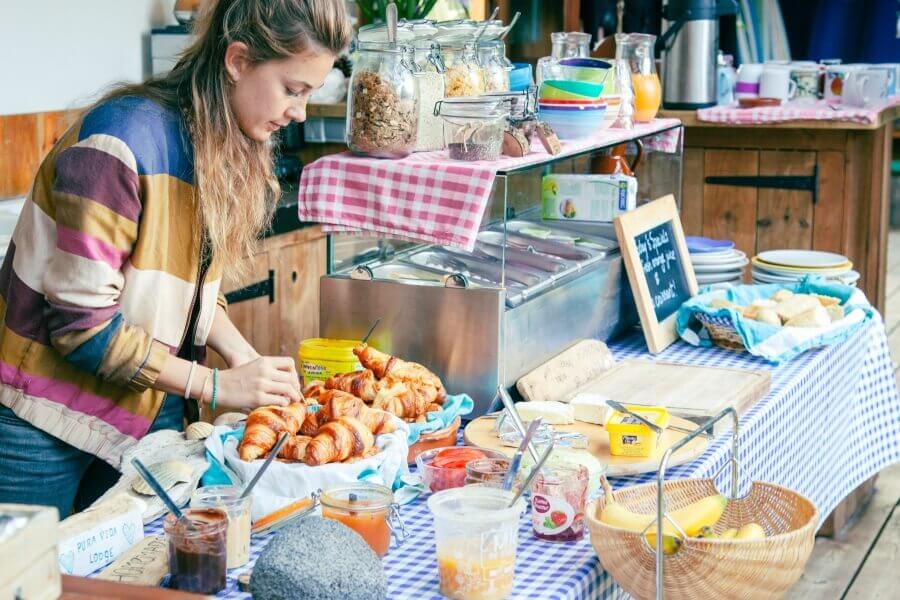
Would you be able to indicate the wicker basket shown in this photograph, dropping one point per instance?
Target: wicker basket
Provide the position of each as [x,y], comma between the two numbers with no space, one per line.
[711,568]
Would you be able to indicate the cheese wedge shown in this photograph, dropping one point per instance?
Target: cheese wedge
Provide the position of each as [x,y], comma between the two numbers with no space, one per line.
[590,408]
[551,411]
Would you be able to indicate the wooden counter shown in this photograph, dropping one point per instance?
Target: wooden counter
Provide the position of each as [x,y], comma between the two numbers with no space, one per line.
[843,166]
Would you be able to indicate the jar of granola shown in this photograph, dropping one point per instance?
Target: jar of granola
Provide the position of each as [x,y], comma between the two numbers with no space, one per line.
[463,75]
[383,101]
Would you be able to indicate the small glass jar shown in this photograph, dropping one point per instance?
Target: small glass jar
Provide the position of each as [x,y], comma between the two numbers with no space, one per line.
[473,127]
[488,471]
[383,102]
[197,550]
[492,56]
[558,498]
[429,72]
[366,508]
[228,498]
[463,75]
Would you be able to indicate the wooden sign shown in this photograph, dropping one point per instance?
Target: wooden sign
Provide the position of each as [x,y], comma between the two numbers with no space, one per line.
[659,267]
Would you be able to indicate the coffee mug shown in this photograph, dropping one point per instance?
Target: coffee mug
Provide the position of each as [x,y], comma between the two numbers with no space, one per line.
[864,87]
[835,76]
[806,81]
[747,85]
[890,71]
[775,82]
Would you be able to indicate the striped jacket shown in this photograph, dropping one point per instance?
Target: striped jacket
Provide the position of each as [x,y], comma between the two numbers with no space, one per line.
[101,277]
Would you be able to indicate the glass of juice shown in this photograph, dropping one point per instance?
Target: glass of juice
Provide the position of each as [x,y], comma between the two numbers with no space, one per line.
[636,49]
[476,533]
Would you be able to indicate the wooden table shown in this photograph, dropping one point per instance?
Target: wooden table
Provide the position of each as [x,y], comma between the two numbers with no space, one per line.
[845,168]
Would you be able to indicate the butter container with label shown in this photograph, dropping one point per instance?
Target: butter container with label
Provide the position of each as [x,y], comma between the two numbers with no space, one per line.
[630,437]
[93,538]
[320,358]
[597,198]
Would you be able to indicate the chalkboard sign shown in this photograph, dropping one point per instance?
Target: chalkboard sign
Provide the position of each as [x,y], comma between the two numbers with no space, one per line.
[658,265]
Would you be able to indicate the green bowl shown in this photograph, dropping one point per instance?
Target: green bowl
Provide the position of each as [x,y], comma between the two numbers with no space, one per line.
[558,89]
[587,74]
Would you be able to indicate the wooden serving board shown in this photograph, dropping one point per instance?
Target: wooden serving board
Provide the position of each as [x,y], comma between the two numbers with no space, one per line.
[692,392]
[480,432]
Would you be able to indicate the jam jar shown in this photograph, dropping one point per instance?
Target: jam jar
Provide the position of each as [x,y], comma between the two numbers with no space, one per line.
[558,497]
[368,509]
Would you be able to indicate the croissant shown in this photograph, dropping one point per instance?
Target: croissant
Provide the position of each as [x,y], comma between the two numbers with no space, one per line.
[312,391]
[361,384]
[265,424]
[294,449]
[339,440]
[383,365]
[399,398]
[336,404]
[310,424]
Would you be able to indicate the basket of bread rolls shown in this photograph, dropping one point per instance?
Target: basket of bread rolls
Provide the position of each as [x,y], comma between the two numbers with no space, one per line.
[776,322]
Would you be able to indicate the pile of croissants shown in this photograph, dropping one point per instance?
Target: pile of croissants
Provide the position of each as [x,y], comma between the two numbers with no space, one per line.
[353,409]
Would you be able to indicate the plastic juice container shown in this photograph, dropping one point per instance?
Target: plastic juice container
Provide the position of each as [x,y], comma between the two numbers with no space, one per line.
[630,437]
[320,358]
[476,534]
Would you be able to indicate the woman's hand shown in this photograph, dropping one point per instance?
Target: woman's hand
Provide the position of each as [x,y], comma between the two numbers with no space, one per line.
[264,381]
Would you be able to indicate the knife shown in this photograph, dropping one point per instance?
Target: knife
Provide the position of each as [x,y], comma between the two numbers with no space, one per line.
[656,428]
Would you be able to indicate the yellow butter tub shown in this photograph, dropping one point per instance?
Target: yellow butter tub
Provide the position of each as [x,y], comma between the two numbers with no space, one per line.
[320,358]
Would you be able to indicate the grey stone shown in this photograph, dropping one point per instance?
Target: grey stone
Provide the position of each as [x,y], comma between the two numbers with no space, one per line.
[316,559]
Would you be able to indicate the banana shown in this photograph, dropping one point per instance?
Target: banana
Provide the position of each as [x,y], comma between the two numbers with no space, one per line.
[751,531]
[706,532]
[691,519]
[728,534]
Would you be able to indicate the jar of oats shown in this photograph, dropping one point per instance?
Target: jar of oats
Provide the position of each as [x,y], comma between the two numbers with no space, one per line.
[463,75]
[383,101]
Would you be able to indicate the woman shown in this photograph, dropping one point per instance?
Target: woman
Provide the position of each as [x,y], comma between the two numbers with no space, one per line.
[111,285]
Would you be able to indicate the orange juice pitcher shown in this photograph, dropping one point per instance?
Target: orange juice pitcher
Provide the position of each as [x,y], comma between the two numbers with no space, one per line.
[636,49]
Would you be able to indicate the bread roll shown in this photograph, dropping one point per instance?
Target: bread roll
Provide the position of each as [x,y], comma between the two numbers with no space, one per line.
[796,305]
[768,316]
[764,303]
[827,301]
[835,312]
[815,317]
[782,295]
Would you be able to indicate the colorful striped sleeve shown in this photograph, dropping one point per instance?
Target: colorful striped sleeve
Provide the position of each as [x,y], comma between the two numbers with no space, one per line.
[96,196]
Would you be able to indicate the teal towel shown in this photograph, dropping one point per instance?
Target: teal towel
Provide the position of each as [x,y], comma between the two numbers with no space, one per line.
[454,406]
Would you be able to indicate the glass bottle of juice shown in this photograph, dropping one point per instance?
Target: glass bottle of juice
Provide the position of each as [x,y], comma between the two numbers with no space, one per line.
[637,50]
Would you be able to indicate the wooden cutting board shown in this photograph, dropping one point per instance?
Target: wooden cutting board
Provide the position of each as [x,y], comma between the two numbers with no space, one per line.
[480,432]
[688,391]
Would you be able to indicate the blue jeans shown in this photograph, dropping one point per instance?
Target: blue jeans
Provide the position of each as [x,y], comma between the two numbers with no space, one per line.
[37,468]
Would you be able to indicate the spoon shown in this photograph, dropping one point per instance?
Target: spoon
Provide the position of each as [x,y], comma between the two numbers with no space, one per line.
[486,23]
[391,18]
[265,465]
[534,472]
[517,457]
[371,329]
[512,24]
[159,491]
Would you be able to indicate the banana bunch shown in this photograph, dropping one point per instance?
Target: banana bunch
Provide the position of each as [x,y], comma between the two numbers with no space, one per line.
[750,531]
[693,519]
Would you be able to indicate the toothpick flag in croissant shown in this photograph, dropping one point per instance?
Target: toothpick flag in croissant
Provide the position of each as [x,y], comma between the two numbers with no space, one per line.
[265,424]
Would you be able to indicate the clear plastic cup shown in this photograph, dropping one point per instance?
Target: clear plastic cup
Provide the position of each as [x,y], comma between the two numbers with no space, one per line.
[476,533]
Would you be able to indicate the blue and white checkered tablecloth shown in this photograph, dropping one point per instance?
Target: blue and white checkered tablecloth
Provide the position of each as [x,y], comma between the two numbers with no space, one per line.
[830,422]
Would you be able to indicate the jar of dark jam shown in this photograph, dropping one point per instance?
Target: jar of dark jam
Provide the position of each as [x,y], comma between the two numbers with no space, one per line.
[197,550]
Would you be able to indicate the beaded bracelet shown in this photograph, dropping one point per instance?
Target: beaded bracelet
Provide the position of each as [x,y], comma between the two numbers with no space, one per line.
[215,390]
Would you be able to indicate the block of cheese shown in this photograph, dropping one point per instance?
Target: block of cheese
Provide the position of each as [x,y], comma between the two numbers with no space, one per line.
[590,408]
[552,412]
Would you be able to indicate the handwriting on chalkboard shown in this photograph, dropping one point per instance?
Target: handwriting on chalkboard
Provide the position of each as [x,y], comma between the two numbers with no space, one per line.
[660,262]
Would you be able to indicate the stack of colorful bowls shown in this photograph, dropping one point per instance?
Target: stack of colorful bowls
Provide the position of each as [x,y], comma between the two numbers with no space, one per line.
[573,108]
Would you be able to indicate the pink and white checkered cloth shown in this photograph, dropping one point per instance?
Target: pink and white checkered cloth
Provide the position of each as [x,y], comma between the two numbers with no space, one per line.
[821,110]
[426,197]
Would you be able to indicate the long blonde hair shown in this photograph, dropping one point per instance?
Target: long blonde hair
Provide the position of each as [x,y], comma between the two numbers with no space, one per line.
[233,174]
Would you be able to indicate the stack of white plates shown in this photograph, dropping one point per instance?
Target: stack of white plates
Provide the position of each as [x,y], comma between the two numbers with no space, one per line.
[790,266]
[716,261]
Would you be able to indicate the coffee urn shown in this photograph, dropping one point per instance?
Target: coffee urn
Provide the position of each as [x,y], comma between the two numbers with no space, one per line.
[689,48]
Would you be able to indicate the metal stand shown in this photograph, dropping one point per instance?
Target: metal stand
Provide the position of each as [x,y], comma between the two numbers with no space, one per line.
[661,512]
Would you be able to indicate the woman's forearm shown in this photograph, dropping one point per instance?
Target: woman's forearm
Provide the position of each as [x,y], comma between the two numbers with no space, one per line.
[225,339]
[173,378]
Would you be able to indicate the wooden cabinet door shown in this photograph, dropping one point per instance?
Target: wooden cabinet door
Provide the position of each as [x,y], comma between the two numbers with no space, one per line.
[256,318]
[298,268]
[730,212]
[785,217]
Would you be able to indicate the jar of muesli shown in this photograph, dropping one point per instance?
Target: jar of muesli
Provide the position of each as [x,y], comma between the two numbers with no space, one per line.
[383,101]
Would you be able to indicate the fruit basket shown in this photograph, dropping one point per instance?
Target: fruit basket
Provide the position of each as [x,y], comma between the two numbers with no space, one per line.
[704,567]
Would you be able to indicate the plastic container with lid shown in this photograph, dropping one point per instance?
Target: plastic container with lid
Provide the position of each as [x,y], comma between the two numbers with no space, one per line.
[476,534]
[629,437]
[366,508]
[227,498]
[473,127]
[320,358]
[383,101]
[197,552]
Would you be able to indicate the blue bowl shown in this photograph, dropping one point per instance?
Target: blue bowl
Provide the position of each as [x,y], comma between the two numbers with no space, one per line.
[573,124]
[520,78]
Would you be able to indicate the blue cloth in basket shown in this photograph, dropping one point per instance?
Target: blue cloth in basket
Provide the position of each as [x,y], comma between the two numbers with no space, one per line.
[776,344]
[454,406]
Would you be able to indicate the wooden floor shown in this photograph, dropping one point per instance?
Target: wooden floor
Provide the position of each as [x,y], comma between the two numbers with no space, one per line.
[865,565]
